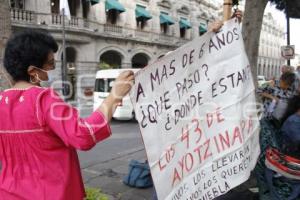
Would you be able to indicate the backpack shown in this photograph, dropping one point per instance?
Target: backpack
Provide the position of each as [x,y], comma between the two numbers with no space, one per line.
[139,175]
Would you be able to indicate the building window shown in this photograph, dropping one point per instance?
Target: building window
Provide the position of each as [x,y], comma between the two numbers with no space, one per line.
[202,29]
[112,16]
[142,16]
[184,24]
[113,8]
[85,9]
[164,28]
[182,32]
[55,6]
[165,22]
[141,23]
[73,6]
[20,4]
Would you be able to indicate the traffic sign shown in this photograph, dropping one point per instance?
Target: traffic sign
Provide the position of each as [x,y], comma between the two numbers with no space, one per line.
[288,52]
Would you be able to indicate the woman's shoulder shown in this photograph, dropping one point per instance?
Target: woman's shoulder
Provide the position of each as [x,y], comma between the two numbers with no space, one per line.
[31,89]
[48,94]
[34,93]
[27,93]
[37,92]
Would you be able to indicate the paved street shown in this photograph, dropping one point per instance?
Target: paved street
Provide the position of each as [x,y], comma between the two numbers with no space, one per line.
[107,163]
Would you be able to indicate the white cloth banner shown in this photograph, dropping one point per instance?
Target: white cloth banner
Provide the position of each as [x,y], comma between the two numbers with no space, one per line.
[198,118]
[64,8]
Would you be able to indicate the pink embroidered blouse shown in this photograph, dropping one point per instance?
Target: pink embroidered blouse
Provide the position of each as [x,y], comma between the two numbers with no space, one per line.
[39,135]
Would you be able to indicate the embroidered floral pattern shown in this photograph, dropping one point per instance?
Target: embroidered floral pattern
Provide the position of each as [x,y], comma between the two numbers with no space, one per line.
[21,99]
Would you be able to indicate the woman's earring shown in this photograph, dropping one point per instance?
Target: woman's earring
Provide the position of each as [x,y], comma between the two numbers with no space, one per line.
[34,79]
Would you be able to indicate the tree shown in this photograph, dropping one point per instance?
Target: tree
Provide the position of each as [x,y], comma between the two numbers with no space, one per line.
[5,30]
[252,22]
[290,7]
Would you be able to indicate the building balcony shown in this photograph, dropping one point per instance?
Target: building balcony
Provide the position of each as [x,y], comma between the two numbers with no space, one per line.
[144,35]
[58,20]
[24,18]
[112,29]
[166,38]
[182,41]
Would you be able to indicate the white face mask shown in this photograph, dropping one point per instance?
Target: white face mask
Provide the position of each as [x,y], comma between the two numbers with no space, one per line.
[50,75]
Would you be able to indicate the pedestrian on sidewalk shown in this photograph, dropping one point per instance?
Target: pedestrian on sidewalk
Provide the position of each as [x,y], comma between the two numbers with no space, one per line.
[39,132]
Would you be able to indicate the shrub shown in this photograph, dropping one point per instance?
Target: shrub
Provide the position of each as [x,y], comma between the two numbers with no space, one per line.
[94,194]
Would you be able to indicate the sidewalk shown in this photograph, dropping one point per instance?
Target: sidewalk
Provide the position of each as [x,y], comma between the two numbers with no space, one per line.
[108,176]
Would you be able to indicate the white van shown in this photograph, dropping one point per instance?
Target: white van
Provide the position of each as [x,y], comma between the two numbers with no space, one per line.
[103,84]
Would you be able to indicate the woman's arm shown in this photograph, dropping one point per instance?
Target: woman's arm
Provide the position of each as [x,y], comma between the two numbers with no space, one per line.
[269,96]
[64,120]
[121,87]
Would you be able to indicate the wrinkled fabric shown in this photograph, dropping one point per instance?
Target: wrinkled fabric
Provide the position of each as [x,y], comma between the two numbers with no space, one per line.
[39,135]
[276,91]
[271,185]
[291,136]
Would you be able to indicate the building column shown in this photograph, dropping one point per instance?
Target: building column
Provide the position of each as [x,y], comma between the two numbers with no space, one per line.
[79,9]
[126,64]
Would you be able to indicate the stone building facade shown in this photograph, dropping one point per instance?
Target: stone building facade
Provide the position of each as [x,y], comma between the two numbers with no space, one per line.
[272,37]
[113,33]
[5,30]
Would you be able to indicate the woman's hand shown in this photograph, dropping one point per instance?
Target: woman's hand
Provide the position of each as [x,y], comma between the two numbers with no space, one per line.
[215,26]
[122,85]
[120,88]
[238,14]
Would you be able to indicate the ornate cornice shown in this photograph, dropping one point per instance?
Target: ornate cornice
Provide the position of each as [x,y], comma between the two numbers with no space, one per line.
[165,4]
[183,10]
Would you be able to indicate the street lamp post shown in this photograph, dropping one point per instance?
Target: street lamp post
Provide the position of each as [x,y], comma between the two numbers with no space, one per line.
[288,29]
[64,57]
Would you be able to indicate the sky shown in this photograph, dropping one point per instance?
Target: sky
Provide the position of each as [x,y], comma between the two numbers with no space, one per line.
[294,29]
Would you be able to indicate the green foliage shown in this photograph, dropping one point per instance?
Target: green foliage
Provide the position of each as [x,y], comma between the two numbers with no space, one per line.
[104,65]
[94,194]
[280,4]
